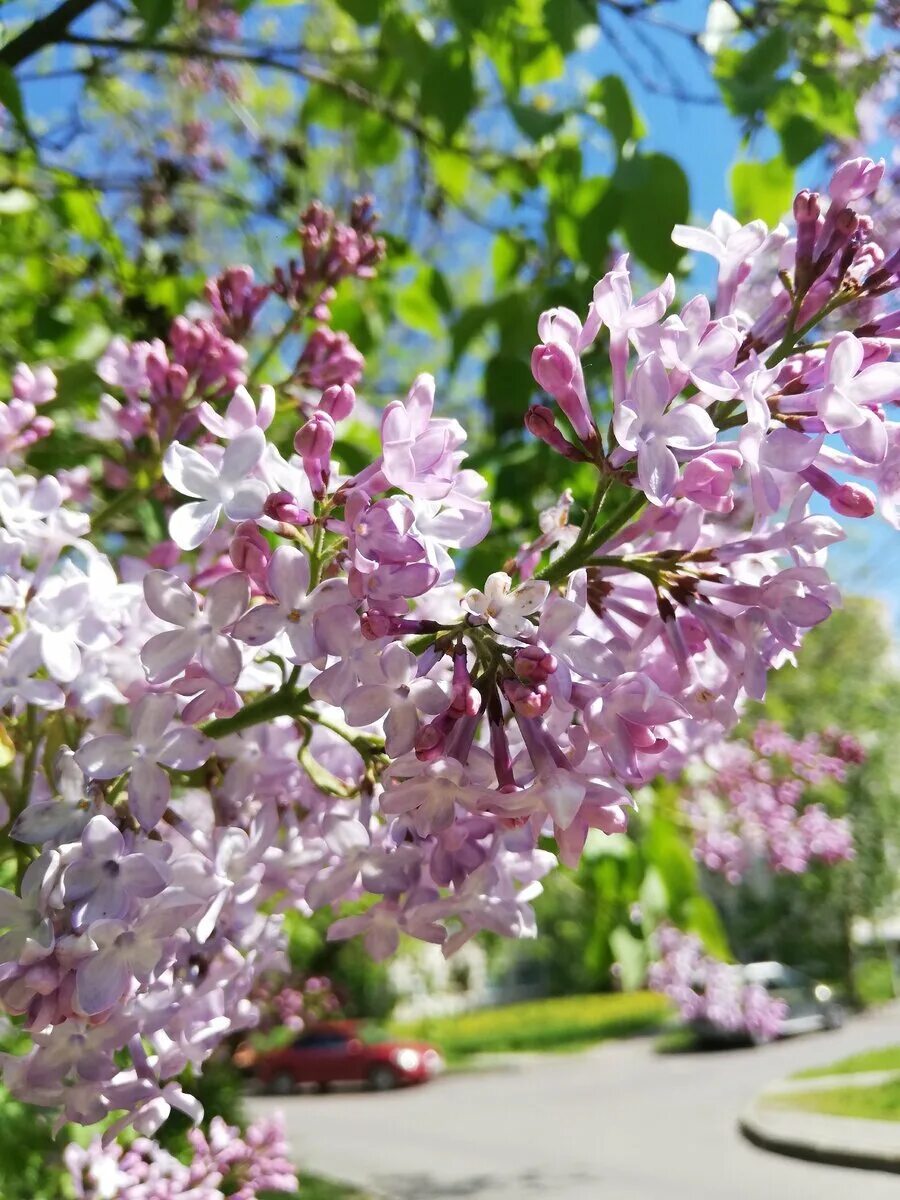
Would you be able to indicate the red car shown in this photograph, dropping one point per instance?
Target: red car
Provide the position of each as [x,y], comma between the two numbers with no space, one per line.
[336,1053]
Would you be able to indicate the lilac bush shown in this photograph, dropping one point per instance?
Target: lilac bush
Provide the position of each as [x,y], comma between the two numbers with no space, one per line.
[224,1163]
[291,702]
[708,991]
[750,803]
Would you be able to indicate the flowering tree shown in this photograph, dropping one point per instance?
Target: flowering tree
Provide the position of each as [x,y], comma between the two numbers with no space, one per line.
[282,698]
[752,805]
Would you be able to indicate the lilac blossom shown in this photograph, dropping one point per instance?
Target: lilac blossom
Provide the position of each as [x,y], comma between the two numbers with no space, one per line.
[228,487]
[320,713]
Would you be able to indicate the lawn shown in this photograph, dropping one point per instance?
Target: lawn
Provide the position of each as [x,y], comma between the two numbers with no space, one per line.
[558,1023]
[885,1059]
[314,1187]
[880,1103]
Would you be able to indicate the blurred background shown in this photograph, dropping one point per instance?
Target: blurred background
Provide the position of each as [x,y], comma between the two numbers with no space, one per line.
[513,149]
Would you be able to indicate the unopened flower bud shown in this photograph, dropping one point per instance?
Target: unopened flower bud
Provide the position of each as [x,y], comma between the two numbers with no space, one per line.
[553,367]
[853,500]
[249,551]
[534,665]
[282,506]
[315,439]
[539,421]
[526,700]
[430,742]
[338,401]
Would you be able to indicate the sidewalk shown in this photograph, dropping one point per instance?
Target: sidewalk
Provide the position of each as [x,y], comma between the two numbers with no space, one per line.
[839,1141]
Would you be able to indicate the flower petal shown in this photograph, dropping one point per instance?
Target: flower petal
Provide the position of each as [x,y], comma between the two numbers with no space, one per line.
[191,525]
[105,757]
[148,793]
[169,598]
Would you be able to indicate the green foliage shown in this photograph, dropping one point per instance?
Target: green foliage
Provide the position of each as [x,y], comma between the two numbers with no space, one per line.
[541,1024]
[361,985]
[762,190]
[605,912]
[30,1157]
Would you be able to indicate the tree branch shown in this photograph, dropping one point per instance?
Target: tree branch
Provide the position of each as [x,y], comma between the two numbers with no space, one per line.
[488,158]
[48,31]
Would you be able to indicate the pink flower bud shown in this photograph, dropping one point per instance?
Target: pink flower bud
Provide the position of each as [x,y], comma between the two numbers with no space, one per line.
[553,368]
[316,438]
[853,500]
[539,422]
[338,401]
[527,701]
[534,665]
[281,506]
[249,551]
[375,625]
[430,742]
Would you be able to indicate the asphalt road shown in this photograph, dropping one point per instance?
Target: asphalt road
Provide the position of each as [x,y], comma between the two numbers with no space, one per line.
[618,1122]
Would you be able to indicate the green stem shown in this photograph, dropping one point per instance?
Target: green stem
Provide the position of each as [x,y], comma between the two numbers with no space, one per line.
[366,743]
[29,762]
[315,566]
[578,556]
[284,703]
[290,325]
[792,337]
[113,508]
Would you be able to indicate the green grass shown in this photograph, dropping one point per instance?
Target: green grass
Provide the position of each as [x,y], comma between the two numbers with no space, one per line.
[880,1103]
[314,1187]
[885,1059]
[567,1022]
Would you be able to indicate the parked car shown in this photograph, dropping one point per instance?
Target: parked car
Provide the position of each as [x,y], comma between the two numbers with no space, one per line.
[339,1052]
[811,1006]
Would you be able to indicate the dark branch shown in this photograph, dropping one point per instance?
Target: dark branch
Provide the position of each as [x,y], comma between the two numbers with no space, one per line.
[47,31]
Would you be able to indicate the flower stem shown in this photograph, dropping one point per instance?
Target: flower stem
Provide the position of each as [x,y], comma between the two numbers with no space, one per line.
[578,555]
[284,703]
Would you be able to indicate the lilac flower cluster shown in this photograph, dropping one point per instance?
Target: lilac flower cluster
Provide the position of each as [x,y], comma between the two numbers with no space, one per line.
[710,992]
[292,702]
[330,251]
[225,1163]
[749,804]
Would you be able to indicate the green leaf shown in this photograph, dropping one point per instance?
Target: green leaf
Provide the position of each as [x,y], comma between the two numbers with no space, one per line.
[800,138]
[565,19]
[508,387]
[535,122]
[417,305]
[619,115]
[452,172]
[11,99]
[448,89]
[365,12]
[762,190]
[699,915]
[631,955]
[377,140]
[155,14]
[507,256]
[749,78]
[585,218]
[654,197]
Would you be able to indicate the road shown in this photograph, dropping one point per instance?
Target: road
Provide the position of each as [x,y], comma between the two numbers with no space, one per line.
[618,1122]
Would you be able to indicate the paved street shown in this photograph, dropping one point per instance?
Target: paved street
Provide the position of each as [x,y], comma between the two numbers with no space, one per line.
[616,1123]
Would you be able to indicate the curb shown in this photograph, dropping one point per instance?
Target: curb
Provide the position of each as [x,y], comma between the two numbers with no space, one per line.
[836,1141]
